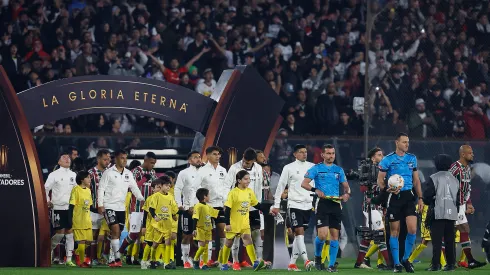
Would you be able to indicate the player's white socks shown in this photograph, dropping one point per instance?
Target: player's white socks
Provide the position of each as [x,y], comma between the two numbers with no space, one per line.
[234,249]
[115,247]
[221,243]
[70,245]
[210,251]
[186,249]
[295,254]
[300,244]
[258,243]
[55,240]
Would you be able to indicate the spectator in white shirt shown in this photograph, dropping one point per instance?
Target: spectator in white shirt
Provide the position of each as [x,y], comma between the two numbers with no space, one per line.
[207,85]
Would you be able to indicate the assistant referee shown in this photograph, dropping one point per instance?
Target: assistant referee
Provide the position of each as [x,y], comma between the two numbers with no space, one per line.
[401,201]
[328,177]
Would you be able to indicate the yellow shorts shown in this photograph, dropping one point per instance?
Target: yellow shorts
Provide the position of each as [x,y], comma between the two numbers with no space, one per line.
[83,235]
[159,237]
[424,232]
[149,233]
[203,235]
[104,228]
[232,235]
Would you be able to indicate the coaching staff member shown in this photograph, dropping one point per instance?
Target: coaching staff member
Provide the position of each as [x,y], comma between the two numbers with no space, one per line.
[442,196]
[401,201]
[111,198]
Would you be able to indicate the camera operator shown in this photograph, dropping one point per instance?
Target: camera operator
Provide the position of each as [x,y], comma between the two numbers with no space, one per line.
[371,190]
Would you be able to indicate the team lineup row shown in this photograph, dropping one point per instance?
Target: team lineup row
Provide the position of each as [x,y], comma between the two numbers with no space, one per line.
[90,206]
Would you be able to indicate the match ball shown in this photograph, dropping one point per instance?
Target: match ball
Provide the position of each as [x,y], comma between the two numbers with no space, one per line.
[396,181]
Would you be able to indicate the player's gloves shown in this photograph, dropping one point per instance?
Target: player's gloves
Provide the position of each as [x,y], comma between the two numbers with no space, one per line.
[147,177]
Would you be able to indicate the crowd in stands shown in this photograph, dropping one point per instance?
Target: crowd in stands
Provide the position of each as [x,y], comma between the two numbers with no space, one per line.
[428,59]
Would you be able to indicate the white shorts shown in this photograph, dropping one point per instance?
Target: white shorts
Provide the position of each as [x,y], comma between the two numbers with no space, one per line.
[135,222]
[376,219]
[96,220]
[262,226]
[462,215]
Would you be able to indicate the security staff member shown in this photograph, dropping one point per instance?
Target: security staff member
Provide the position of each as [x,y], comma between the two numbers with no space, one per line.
[213,178]
[441,194]
[328,177]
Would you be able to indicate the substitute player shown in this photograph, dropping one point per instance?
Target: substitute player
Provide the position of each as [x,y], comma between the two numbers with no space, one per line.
[111,197]
[299,203]
[237,209]
[163,209]
[100,229]
[401,202]
[80,219]
[249,164]
[60,183]
[462,171]
[185,194]
[143,175]
[375,155]
[328,178]
[213,178]
[203,225]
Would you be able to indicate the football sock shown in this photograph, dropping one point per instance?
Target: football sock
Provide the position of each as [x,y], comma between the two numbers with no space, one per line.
[115,248]
[135,251]
[199,252]
[220,253]
[363,247]
[160,251]
[318,247]
[374,247]
[128,241]
[93,250]
[384,251]
[258,243]
[166,254]
[409,243]
[395,254]
[462,258]
[251,253]
[146,253]
[70,245]
[380,258]
[205,256]
[417,252]
[55,240]
[295,254]
[334,250]
[172,250]
[185,252]
[81,251]
[209,255]
[225,254]
[153,253]
[301,247]
[466,245]
[235,248]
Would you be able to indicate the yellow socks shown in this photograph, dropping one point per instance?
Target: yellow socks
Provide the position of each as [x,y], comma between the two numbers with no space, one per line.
[326,252]
[99,249]
[225,254]
[462,258]
[146,252]
[380,258]
[372,249]
[153,253]
[172,250]
[251,253]
[166,254]
[81,251]
[160,251]
[417,252]
[136,250]
[199,252]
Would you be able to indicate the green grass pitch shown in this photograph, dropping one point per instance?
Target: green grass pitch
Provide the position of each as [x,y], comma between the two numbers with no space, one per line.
[346,267]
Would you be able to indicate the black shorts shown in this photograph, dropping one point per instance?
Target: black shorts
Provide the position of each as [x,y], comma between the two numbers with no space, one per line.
[401,206]
[60,219]
[328,213]
[186,223]
[113,217]
[221,216]
[254,217]
[299,218]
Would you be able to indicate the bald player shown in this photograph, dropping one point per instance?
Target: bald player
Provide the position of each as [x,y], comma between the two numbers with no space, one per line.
[462,171]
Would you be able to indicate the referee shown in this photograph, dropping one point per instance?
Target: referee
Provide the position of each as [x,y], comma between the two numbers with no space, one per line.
[401,201]
[328,177]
